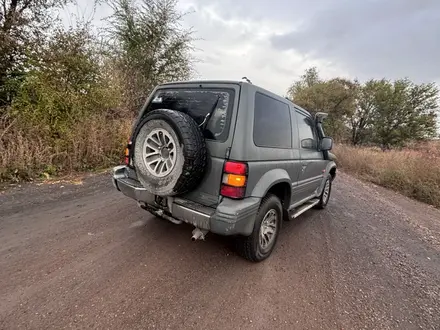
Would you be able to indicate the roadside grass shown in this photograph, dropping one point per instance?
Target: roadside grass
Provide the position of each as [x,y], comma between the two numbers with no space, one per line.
[96,143]
[413,171]
[28,153]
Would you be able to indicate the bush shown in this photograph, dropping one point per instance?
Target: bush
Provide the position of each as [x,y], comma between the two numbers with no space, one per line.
[63,117]
[95,142]
[68,97]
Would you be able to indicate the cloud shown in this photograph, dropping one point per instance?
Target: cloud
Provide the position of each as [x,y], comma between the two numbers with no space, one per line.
[287,11]
[372,39]
[273,42]
[233,46]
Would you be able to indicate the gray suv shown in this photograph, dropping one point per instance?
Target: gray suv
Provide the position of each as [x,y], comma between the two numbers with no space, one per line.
[227,157]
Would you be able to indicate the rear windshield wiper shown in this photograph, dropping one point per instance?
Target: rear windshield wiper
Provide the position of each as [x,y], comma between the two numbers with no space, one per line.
[209,114]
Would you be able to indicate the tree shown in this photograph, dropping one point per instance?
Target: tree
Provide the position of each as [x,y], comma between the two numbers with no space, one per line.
[403,111]
[65,85]
[377,112]
[361,120]
[149,45]
[335,96]
[22,25]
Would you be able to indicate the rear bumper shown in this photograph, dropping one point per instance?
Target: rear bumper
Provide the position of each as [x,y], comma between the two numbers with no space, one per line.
[230,217]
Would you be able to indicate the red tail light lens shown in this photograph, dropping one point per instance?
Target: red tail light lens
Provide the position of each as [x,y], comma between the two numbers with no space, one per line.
[234,180]
[232,192]
[235,168]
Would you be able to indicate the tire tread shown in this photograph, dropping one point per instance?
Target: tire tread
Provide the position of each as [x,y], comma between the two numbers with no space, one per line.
[245,244]
[194,147]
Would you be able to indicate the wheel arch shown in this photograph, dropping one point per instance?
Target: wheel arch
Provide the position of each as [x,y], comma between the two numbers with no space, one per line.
[333,172]
[276,182]
[330,171]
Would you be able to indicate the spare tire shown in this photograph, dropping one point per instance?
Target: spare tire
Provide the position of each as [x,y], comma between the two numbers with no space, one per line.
[170,152]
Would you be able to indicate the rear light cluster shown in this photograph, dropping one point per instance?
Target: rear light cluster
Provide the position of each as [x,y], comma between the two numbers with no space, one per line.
[234,180]
[127,154]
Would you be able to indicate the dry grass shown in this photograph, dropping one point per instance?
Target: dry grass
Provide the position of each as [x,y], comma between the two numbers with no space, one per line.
[92,144]
[98,143]
[414,172]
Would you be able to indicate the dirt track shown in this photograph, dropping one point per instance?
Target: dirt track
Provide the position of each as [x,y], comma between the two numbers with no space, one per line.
[86,257]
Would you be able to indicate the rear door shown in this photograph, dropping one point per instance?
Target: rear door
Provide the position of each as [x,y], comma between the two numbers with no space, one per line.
[312,160]
[198,100]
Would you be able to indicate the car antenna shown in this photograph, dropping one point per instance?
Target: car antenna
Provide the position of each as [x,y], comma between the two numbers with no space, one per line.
[246,79]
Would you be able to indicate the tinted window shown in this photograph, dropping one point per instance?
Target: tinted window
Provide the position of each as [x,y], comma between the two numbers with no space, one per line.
[272,125]
[198,103]
[306,130]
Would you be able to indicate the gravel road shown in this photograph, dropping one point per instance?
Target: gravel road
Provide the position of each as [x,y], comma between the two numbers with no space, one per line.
[83,256]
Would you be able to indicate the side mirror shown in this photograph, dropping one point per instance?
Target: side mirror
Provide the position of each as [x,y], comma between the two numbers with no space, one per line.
[308,144]
[326,144]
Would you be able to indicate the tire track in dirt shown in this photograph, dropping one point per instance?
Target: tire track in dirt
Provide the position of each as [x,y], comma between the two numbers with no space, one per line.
[84,256]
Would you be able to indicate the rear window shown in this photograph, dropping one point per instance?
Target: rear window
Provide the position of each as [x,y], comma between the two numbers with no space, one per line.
[198,103]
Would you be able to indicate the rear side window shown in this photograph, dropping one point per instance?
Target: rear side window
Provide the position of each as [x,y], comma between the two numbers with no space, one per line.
[272,124]
[198,103]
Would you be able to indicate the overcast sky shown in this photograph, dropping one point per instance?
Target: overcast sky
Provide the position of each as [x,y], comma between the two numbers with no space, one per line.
[272,42]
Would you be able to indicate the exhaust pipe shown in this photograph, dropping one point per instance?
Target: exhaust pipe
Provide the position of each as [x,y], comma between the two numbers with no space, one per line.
[198,234]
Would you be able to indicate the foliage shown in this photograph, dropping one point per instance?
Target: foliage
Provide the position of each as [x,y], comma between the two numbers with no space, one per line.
[361,120]
[149,46]
[65,84]
[23,24]
[335,96]
[68,97]
[64,91]
[376,112]
[91,143]
[403,111]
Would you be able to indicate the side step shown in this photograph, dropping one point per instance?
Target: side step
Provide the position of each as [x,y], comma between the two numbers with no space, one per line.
[307,206]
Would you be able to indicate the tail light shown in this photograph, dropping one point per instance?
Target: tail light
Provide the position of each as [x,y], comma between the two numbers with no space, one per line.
[234,180]
[127,154]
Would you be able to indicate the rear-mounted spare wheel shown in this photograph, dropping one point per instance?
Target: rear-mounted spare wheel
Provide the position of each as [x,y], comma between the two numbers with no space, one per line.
[170,153]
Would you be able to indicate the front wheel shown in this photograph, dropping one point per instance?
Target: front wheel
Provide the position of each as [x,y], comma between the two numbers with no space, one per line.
[260,244]
[325,195]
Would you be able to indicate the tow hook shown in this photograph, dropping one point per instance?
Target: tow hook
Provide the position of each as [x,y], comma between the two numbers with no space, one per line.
[198,234]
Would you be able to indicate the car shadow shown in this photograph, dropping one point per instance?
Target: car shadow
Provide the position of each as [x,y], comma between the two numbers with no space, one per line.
[175,239]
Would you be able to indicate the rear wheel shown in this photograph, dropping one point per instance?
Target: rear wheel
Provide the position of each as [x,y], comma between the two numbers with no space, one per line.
[260,244]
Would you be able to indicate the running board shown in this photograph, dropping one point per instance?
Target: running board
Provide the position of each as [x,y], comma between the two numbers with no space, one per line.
[303,208]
